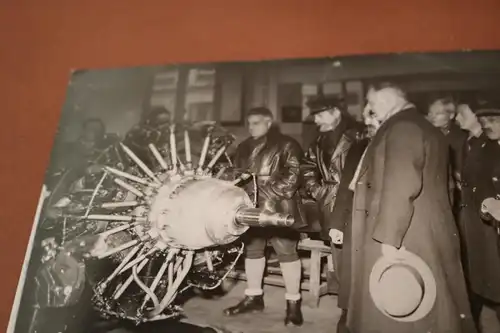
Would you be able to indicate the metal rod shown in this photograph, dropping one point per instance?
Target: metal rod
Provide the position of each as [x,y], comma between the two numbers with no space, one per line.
[228,159]
[121,265]
[132,203]
[187,147]
[173,148]
[138,259]
[243,177]
[221,172]
[216,157]
[129,176]
[181,165]
[210,265]
[172,290]
[129,280]
[129,187]
[144,287]
[89,206]
[158,156]
[116,229]
[254,217]
[140,163]
[124,218]
[118,249]
[156,281]
[204,151]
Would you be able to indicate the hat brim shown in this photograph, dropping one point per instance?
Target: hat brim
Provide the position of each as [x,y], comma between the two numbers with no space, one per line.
[487,113]
[429,287]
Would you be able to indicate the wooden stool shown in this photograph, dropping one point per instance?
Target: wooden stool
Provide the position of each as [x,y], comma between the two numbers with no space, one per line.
[318,250]
[311,279]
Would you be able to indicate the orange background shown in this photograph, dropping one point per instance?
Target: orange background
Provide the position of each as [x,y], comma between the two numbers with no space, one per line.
[42,41]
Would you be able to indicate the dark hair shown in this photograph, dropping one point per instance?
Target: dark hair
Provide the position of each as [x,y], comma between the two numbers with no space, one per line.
[260,111]
[153,113]
[444,97]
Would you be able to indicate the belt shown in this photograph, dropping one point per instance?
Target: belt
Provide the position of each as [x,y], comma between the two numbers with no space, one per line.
[329,182]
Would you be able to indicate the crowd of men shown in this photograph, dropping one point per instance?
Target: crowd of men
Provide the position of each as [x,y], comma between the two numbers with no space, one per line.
[409,202]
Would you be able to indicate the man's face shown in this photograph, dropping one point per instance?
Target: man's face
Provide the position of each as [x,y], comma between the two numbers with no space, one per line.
[381,103]
[258,125]
[371,122]
[465,118]
[327,120]
[162,119]
[441,113]
[491,126]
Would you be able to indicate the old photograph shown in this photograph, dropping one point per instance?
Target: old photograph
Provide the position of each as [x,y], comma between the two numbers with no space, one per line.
[354,194]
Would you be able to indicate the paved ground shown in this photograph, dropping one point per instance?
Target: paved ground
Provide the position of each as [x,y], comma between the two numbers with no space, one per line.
[317,320]
[209,311]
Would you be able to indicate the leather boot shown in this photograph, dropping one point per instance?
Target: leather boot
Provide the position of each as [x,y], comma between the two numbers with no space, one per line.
[293,313]
[341,325]
[248,304]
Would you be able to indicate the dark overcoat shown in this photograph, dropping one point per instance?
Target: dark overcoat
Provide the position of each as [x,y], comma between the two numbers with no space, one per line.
[401,198]
[341,219]
[481,174]
[323,166]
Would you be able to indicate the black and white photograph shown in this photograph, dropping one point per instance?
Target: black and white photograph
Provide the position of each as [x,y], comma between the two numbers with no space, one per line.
[353,194]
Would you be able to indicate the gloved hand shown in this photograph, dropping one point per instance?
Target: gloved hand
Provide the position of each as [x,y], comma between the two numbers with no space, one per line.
[336,236]
[491,206]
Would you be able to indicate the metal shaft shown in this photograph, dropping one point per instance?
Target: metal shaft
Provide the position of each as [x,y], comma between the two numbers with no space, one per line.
[254,217]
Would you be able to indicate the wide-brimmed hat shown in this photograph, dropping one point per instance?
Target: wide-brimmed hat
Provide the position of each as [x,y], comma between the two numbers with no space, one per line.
[403,289]
[319,104]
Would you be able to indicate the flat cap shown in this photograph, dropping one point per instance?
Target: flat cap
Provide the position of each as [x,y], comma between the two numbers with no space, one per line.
[485,107]
[319,104]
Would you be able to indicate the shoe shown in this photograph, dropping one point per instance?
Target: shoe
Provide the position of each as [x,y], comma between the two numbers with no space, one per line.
[294,313]
[341,325]
[248,304]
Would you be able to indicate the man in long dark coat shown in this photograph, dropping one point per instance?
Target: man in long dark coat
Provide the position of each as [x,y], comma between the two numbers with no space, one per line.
[441,111]
[481,176]
[327,169]
[401,199]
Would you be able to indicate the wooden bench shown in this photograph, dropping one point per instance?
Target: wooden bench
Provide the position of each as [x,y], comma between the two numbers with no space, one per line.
[312,278]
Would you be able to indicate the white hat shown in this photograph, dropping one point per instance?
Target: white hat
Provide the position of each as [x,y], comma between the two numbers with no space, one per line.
[403,289]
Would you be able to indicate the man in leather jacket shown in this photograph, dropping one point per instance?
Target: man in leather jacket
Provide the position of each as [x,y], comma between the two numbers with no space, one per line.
[153,128]
[274,158]
[328,168]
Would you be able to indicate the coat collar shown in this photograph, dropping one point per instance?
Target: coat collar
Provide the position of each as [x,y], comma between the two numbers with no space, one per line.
[383,128]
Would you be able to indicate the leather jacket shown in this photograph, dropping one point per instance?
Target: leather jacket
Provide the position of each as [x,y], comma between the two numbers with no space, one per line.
[323,165]
[275,160]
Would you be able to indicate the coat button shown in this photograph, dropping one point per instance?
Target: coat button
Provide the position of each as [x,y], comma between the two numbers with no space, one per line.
[368,185]
[366,213]
[474,189]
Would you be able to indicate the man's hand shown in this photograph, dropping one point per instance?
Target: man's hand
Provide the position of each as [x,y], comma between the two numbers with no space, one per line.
[491,206]
[336,236]
[392,253]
